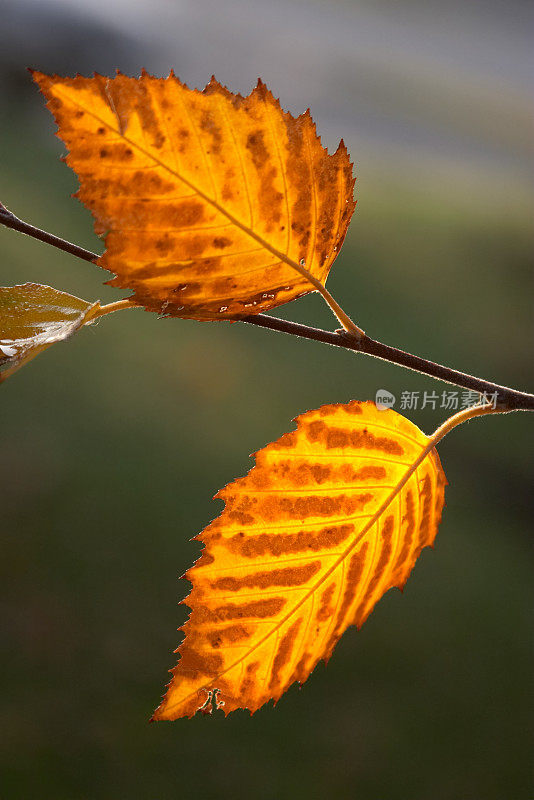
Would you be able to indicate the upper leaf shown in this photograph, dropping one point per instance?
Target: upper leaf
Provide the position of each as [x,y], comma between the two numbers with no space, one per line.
[32,317]
[332,516]
[210,201]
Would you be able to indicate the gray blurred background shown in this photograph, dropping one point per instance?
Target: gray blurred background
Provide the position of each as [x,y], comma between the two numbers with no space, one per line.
[113,444]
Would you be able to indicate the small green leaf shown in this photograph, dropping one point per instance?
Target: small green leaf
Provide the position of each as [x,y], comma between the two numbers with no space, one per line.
[32,317]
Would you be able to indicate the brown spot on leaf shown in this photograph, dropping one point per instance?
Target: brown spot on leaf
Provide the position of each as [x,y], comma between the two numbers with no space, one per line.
[260,609]
[354,574]
[205,560]
[309,474]
[425,526]
[285,576]
[240,517]
[326,608]
[224,636]
[201,663]
[283,654]
[278,544]
[409,530]
[209,126]
[353,407]
[333,437]
[221,241]
[278,507]
[256,146]
[164,244]
[126,98]
[181,214]
[368,601]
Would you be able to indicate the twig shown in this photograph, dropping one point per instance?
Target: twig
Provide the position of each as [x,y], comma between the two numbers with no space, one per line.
[8,219]
[506,398]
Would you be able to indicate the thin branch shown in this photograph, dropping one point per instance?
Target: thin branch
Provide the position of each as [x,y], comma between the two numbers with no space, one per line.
[8,219]
[506,398]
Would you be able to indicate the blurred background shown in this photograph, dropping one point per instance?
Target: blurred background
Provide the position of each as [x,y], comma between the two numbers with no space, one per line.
[113,444]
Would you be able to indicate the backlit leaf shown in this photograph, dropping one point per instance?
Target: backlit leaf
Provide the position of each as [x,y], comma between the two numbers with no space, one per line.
[32,317]
[332,516]
[210,202]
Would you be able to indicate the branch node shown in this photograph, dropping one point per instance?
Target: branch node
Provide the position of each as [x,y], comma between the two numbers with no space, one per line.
[354,339]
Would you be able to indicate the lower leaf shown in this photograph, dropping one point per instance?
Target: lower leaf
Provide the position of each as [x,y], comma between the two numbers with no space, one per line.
[333,515]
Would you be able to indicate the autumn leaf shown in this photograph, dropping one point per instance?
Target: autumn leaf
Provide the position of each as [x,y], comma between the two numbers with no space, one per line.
[32,317]
[213,205]
[332,516]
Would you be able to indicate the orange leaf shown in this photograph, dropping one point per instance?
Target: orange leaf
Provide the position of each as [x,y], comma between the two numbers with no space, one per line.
[32,317]
[212,203]
[332,516]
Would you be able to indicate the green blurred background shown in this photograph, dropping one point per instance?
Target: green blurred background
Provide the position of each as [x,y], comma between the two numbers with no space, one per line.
[113,444]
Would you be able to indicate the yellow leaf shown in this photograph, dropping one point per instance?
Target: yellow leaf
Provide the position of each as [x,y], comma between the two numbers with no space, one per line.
[332,516]
[32,317]
[213,205]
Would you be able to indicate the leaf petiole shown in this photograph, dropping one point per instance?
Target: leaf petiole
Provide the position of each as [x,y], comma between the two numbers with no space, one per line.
[464,416]
[118,305]
[333,305]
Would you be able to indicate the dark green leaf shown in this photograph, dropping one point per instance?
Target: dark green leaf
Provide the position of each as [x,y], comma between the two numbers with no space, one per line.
[32,317]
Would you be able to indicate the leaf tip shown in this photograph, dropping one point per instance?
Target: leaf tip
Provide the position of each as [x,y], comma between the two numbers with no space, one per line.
[261,90]
[38,77]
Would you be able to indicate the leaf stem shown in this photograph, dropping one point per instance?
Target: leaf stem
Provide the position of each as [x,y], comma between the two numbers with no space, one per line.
[118,305]
[333,305]
[353,339]
[345,320]
[463,416]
